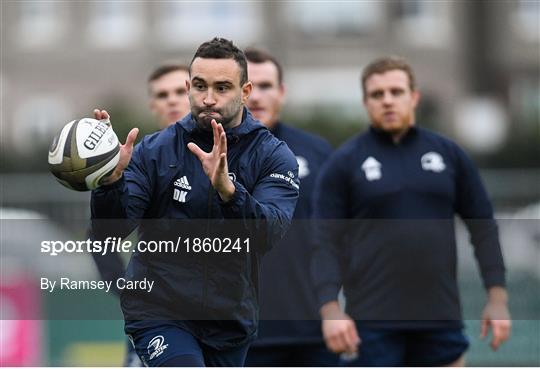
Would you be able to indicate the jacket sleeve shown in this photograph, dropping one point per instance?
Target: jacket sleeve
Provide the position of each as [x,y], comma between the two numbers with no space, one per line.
[270,205]
[474,207]
[330,209]
[124,202]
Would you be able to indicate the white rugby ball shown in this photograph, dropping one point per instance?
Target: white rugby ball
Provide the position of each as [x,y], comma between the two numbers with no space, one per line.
[85,151]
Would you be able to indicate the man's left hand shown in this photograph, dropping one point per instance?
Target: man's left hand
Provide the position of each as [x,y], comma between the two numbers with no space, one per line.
[496,316]
[214,163]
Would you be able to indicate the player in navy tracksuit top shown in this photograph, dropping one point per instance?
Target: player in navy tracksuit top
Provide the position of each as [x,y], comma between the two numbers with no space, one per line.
[203,309]
[169,103]
[289,314]
[289,329]
[399,187]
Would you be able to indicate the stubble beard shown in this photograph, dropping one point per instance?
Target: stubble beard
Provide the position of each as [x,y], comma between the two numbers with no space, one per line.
[227,114]
[404,123]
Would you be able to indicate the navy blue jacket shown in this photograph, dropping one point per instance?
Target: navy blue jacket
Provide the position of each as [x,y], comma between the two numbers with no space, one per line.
[289,308]
[216,286]
[385,227]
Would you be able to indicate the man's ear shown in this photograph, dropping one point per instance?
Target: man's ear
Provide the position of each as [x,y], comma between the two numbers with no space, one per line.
[246,91]
[151,100]
[416,98]
[188,85]
[282,91]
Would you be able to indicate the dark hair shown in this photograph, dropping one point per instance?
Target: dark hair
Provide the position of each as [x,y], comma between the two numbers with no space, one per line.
[166,69]
[220,48]
[386,64]
[259,56]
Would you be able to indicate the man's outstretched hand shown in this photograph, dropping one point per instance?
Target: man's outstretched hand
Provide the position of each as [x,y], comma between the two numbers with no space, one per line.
[126,150]
[214,163]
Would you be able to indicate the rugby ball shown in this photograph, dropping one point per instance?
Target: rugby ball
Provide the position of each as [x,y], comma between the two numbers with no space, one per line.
[85,151]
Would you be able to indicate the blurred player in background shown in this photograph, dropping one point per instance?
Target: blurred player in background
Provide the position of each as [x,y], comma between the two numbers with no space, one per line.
[293,335]
[167,92]
[199,169]
[396,260]
[169,102]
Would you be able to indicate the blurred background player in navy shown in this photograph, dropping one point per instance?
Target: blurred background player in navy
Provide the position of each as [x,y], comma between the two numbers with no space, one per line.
[396,260]
[289,330]
[168,102]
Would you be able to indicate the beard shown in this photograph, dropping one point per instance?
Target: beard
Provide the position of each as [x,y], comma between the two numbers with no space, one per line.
[401,123]
[204,115]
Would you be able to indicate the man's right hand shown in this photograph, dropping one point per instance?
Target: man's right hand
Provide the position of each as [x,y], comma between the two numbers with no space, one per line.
[339,330]
[126,150]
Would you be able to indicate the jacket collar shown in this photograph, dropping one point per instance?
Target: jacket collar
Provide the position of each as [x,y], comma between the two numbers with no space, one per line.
[386,137]
[276,129]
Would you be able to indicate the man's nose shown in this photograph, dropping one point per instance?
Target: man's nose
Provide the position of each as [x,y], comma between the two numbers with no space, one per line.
[255,94]
[172,99]
[388,99]
[209,99]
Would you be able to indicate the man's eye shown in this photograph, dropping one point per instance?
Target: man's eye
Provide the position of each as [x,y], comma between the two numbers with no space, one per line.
[181,91]
[223,88]
[376,95]
[162,95]
[199,86]
[397,92]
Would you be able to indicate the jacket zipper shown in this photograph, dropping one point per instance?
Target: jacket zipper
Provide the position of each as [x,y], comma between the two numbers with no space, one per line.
[205,256]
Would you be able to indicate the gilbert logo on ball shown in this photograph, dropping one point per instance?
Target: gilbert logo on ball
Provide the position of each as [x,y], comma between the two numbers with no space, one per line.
[85,151]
